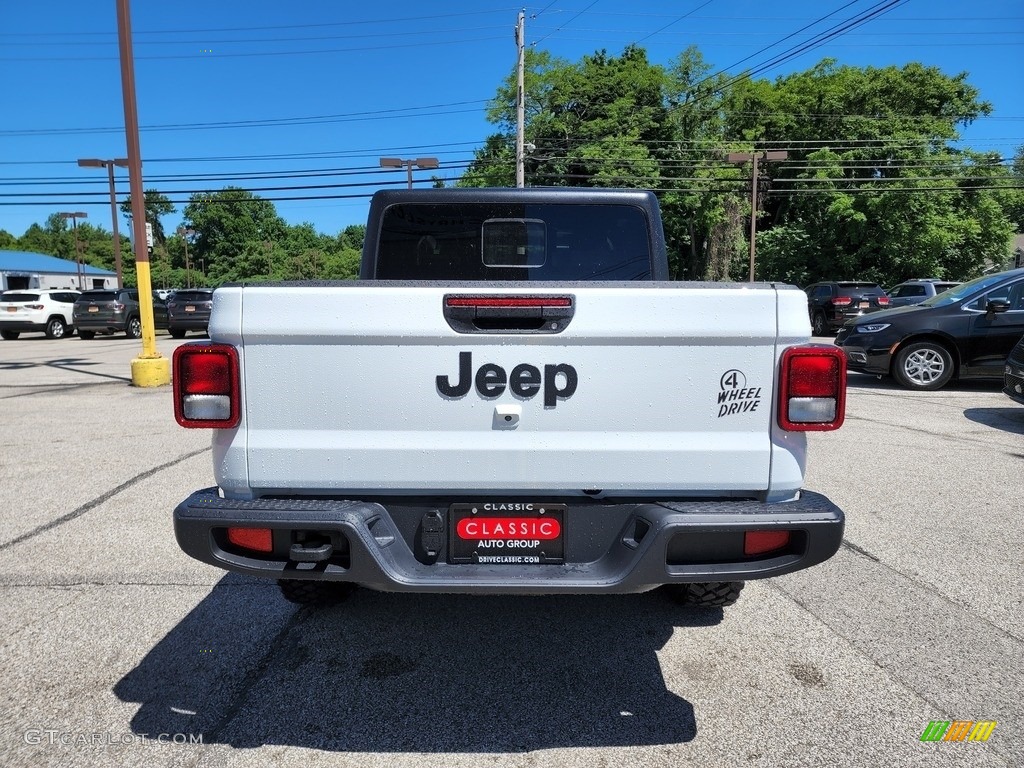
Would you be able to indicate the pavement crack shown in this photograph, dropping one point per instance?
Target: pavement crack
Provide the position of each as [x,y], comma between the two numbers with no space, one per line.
[256,674]
[89,505]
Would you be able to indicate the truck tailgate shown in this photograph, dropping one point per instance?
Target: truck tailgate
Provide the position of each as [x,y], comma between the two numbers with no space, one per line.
[673,390]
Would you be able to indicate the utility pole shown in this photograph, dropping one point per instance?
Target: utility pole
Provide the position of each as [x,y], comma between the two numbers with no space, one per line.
[80,269]
[121,162]
[185,234]
[740,158]
[521,100]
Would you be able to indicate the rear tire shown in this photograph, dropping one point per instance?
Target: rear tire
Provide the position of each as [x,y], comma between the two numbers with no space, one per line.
[10,335]
[819,325]
[86,334]
[303,592]
[55,328]
[707,594]
[176,333]
[133,330]
[923,365]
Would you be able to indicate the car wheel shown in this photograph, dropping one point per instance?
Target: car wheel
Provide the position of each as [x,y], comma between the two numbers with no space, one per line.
[10,335]
[86,334]
[819,326]
[55,328]
[176,333]
[706,594]
[134,328]
[304,592]
[923,365]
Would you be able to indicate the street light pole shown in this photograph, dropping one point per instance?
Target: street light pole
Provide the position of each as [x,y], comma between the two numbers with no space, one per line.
[79,268]
[120,162]
[740,158]
[419,162]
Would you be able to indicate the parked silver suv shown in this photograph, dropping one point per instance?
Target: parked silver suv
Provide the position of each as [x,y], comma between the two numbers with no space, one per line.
[916,291]
[40,311]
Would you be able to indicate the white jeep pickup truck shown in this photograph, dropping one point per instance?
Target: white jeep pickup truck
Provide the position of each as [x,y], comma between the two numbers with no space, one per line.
[512,398]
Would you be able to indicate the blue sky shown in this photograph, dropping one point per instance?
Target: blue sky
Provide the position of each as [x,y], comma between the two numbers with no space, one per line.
[228,88]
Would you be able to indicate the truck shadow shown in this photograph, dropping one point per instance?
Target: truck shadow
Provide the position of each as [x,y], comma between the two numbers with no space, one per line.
[415,673]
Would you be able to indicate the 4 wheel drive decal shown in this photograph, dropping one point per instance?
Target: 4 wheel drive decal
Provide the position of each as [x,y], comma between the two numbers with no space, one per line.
[735,396]
[559,381]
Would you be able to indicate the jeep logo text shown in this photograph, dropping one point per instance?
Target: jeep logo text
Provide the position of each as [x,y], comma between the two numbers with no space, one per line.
[558,382]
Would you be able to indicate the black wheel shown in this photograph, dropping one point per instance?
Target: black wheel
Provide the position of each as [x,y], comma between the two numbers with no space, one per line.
[10,335]
[707,594]
[86,334]
[305,592]
[134,328]
[176,333]
[55,328]
[819,325]
[923,365]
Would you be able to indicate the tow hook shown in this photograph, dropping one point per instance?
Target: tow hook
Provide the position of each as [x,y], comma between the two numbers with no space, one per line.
[310,553]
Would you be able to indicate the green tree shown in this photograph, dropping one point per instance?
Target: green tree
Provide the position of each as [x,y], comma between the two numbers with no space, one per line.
[874,187]
[157,205]
[8,242]
[236,234]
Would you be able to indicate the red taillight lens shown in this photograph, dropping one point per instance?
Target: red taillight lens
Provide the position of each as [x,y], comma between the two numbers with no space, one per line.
[254,539]
[812,389]
[34,306]
[842,301]
[883,301]
[759,542]
[117,306]
[206,386]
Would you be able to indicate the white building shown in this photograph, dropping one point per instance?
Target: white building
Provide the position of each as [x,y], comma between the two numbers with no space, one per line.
[21,269]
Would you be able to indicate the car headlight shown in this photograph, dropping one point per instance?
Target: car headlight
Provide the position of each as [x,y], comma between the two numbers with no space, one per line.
[872,327]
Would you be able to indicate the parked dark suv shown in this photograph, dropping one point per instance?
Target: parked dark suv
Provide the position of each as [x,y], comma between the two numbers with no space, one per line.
[189,310]
[113,311]
[832,304]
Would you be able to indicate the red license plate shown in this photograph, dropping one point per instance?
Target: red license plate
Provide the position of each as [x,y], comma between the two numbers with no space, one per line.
[507,533]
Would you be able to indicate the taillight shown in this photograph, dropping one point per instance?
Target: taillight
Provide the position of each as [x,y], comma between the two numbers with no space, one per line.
[842,301]
[206,386]
[812,389]
[883,301]
[117,306]
[34,306]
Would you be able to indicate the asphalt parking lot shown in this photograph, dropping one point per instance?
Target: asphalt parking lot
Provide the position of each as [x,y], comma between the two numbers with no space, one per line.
[118,650]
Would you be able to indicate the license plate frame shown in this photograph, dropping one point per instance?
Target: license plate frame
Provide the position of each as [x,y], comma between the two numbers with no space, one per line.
[94,309]
[492,523]
[190,308]
[864,305]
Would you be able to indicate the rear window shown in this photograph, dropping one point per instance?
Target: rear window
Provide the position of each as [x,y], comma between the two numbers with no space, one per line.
[513,241]
[19,298]
[863,289]
[192,296]
[98,296]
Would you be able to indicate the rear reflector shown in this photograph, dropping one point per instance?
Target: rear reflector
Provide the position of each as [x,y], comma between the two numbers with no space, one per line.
[206,386]
[759,542]
[812,388]
[254,539]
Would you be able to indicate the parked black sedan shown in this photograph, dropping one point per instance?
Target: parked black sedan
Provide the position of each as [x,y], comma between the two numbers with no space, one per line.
[1013,376]
[967,331]
[189,310]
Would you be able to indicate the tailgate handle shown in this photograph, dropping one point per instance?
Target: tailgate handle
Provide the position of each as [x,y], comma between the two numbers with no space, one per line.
[508,313]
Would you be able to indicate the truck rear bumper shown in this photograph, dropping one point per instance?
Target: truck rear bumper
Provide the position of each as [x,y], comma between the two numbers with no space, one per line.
[632,547]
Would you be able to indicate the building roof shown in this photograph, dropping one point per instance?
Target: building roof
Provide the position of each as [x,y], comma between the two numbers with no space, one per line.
[26,261]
